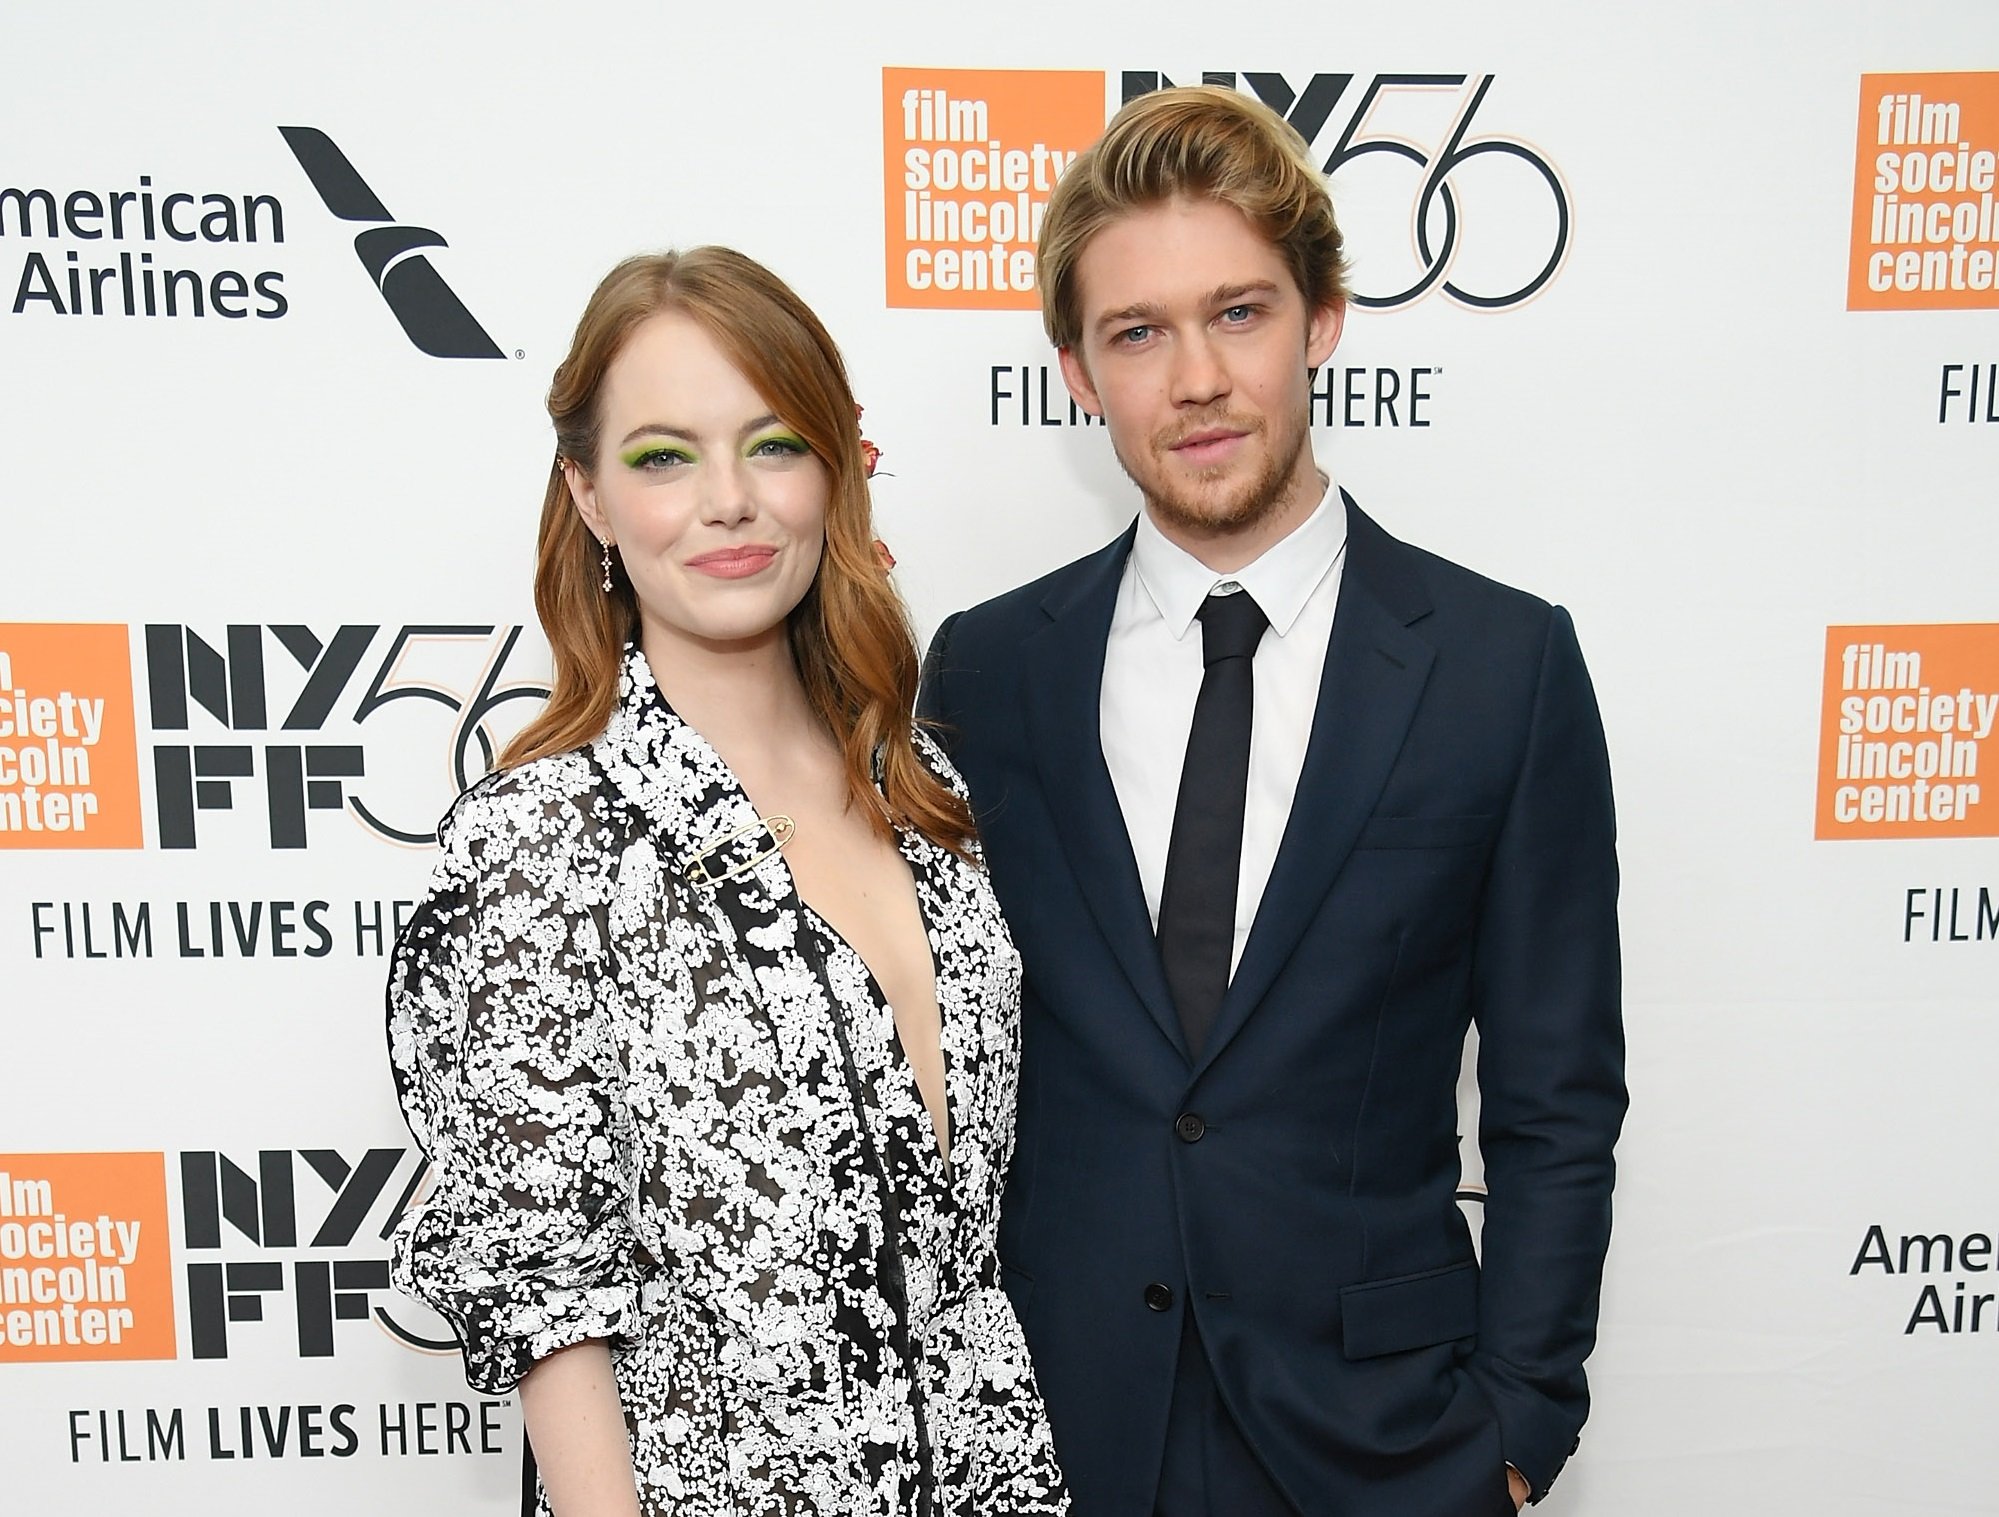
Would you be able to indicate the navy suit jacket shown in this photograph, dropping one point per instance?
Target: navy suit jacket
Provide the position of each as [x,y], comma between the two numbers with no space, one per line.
[1449,859]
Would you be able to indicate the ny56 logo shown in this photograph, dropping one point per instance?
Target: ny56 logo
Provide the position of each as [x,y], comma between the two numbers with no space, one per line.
[1487,217]
[256,1237]
[357,713]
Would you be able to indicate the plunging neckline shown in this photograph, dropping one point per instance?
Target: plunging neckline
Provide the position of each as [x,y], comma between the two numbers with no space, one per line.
[940,1144]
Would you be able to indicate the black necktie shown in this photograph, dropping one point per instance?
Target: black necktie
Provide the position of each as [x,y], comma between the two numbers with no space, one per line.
[1204,857]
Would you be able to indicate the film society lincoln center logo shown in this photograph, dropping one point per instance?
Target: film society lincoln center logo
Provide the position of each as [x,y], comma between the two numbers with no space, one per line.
[86,1271]
[1908,722]
[970,157]
[1925,178]
[69,768]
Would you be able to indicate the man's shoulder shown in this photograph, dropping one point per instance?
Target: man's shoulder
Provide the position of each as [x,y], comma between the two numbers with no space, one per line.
[1014,611]
[1414,579]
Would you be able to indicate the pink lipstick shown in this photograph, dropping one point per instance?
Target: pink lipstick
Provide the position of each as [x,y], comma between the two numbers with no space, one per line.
[734,563]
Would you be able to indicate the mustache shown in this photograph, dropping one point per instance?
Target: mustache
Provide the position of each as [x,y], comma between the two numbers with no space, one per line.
[1229,421]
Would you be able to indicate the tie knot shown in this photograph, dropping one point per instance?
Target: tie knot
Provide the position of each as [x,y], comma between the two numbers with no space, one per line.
[1231,626]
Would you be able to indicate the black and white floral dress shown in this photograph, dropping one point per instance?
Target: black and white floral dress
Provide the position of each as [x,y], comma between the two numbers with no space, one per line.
[667,1107]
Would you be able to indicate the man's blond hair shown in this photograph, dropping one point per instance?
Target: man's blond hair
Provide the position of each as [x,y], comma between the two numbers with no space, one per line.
[1201,142]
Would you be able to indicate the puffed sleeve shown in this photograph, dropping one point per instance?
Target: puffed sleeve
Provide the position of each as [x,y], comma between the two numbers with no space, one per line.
[501,1035]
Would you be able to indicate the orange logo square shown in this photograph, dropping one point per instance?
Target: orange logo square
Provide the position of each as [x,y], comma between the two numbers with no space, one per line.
[69,765]
[1909,718]
[1925,173]
[969,158]
[86,1269]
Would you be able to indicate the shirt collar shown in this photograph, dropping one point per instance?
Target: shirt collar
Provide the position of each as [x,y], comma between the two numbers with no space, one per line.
[1282,579]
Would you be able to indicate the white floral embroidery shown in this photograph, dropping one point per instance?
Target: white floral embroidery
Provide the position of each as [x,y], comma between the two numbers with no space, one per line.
[677,1117]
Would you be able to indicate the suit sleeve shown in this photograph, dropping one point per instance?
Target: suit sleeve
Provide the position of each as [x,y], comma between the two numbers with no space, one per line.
[1546,987]
[933,705]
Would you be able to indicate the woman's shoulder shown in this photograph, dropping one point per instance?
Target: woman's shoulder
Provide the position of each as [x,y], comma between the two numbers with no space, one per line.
[552,808]
[525,846]
[521,790]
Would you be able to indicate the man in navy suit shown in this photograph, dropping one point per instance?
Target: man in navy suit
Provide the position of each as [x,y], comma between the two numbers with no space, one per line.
[1278,807]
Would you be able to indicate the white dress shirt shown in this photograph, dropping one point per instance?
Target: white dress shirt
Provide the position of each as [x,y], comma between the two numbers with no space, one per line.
[1152,677]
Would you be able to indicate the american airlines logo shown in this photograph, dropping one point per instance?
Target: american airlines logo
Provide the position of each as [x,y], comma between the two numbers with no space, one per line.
[429,310]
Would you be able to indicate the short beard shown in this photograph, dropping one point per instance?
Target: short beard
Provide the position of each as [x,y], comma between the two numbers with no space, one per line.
[1204,516]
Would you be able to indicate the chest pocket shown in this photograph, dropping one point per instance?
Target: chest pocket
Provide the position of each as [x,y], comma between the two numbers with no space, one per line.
[1425,832]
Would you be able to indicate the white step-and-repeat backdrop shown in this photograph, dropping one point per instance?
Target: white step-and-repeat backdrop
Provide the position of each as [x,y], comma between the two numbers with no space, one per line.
[1682,315]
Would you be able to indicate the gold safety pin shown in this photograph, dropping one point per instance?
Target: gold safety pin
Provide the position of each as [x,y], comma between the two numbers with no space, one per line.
[780,829]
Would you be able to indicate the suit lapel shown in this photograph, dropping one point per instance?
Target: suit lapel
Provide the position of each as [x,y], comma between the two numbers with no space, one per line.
[1064,669]
[1374,676]
[696,812]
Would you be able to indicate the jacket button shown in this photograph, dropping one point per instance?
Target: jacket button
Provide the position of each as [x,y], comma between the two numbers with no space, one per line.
[1189,1127]
[1159,1297]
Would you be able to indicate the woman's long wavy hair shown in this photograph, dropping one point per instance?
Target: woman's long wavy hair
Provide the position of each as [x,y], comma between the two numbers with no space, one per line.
[850,635]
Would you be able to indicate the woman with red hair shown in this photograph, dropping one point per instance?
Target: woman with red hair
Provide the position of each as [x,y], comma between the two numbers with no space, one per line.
[709,1021]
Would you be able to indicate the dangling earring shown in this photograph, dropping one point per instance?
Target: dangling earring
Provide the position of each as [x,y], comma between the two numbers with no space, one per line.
[607,568]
